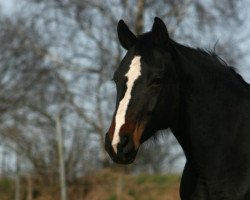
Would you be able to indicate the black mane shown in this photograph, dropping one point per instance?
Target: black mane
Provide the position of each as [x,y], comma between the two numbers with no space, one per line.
[217,59]
[210,59]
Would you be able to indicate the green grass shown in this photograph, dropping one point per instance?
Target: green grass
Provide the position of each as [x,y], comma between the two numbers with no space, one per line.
[157,179]
[6,184]
[112,197]
[6,189]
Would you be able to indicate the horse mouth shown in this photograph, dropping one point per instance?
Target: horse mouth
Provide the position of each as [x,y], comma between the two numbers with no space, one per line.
[126,158]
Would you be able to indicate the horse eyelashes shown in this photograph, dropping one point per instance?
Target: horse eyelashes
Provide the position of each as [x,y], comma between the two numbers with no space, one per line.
[156,82]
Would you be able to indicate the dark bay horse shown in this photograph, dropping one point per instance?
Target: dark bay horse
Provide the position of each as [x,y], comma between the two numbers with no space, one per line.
[162,84]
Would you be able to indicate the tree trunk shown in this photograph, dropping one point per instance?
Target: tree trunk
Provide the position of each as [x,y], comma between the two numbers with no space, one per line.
[29,188]
[17,179]
[61,160]
[139,23]
[120,187]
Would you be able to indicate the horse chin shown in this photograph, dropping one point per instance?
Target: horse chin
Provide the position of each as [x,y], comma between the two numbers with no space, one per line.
[124,160]
[127,158]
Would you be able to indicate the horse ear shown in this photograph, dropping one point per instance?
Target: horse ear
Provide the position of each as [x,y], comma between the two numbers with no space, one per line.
[160,32]
[126,37]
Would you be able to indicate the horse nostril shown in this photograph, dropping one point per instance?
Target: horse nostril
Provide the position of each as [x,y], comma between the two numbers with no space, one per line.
[124,140]
[125,146]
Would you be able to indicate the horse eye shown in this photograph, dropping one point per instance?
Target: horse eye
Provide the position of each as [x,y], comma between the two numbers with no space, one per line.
[156,81]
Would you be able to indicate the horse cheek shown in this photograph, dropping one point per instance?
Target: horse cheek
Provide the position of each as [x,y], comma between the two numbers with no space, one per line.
[151,105]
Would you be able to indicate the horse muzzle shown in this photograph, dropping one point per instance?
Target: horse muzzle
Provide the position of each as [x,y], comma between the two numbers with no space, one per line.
[125,150]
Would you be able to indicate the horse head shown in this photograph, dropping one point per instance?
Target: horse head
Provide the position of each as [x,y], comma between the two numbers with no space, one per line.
[147,91]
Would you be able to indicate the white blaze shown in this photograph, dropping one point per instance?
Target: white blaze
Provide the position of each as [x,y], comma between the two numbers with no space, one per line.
[133,74]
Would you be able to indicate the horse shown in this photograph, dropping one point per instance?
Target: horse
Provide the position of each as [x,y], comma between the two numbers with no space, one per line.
[162,84]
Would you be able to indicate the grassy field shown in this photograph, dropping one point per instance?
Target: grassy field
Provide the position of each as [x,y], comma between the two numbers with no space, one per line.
[106,185]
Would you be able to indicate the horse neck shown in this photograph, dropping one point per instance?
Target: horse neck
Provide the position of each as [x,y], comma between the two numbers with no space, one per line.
[206,105]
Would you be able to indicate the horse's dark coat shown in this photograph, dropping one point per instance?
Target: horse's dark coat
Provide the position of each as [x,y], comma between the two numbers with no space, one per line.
[205,103]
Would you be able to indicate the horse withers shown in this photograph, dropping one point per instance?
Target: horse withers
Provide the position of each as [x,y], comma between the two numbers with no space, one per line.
[162,84]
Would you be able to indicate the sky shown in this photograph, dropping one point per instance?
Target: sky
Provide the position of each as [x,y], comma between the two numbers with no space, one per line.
[8,6]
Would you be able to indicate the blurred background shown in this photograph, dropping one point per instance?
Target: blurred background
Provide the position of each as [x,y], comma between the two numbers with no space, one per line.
[57,58]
